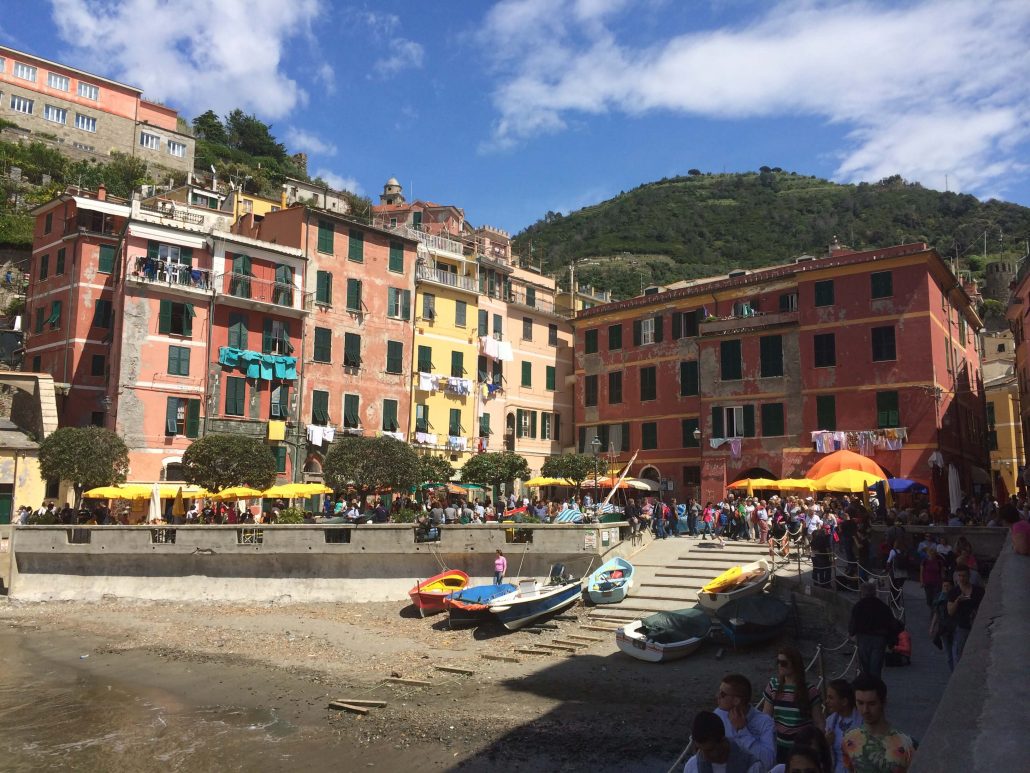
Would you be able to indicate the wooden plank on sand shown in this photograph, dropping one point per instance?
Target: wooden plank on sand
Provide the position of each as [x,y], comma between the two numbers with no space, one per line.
[455,670]
[572,643]
[581,637]
[348,707]
[607,628]
[525,651]
[361,702]
[401,680]
[505,658]
[562,647]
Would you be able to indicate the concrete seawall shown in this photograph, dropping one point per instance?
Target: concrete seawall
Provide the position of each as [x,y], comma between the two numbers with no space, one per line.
[284,563]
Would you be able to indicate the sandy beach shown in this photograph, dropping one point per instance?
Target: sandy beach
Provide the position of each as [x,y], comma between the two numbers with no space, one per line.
[237,687]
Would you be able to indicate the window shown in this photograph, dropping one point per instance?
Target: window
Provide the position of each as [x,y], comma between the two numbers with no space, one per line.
[771,354]
[44,267]
[824,293]
[239,282]
[422,418]
[962,331]
[457,364]
[356,246]
[235,396]
[527,329]
[283,287]
[238,331]
[149,141]
[182,417]
[649,435]
[394,357]
[325,236]
[324,288]
[483,368]
[590,342]
[688,427]
[279,407]
[527,373]
[881,284]
[390,416]
[887,414]
[460,313]
[454,422]
[86,123]
[685,323]
[48,222]
[323,345]
[25,71]
[88,148]
[425,359]
[398,303]
[549,378]
[484,323]
[319,407]
[649,383]
[54,320]
[614,337]
[55,81]
[55,114]
[279,453]
[353,295]
[525,423]
[177,149]
[396,257]
[733,421]
[531,297]
[789,302]
[96,366]
[826,412]
[689,378]
[647,331]
[102,313]
[772,420]
[498,326]
[89,91]
[351,414]
[39,321]
[351,350]
[545,426]
[275,337]
[428,306]
[883,344]
[498,372]
[21,104]
[730,362]
[484,425]
[824,348]
[105,262]
[37,364]
[552,334]
[590,391]
[178,360]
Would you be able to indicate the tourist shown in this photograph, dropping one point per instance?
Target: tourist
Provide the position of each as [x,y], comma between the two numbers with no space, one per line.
[875,746]
[500,567]
[715,752]
[822,557]
[752,730]
[872,625]
[762,516]
[1019,530]
[897,568]
[963,602]
[844,715]
[931,572]
[790,701]
[693,515]
[779,539]
[809,754]
[942,625]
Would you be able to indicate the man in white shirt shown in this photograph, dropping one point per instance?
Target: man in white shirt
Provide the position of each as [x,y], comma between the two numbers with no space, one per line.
[715,752]
[752,730]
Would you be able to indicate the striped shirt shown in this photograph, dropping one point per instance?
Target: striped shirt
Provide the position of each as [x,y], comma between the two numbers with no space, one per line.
[786,713]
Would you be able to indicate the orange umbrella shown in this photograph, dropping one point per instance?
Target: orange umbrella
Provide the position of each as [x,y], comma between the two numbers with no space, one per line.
[844,460]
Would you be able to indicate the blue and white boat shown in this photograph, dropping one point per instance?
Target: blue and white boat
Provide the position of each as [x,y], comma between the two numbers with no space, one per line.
[611,583]
[534,599]
[471,606]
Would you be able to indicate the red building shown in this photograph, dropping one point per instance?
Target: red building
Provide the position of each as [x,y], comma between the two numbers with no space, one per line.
[759,373]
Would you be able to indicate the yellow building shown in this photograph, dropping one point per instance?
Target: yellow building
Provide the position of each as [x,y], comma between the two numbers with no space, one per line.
[1004,432]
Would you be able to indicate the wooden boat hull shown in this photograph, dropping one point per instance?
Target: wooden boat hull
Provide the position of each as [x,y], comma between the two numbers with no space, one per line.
[604,588]
[713,601]
[471,606]
[642,643]
[428,595]
[525,605]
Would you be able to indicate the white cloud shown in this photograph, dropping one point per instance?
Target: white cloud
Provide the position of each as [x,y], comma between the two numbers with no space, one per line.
[924,89]
[304,141]
[338,182]
[404,54]
[327,77]
[193,54]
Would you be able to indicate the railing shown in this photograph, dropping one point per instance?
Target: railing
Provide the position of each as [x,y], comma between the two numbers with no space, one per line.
[435,243]
[757,319]
[172,211]
[447,278]
[496,263]
[174,274]
[262,290]
[540,303]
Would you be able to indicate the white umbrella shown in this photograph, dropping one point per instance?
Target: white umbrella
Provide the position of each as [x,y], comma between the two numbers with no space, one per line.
[155,504]
[954,488]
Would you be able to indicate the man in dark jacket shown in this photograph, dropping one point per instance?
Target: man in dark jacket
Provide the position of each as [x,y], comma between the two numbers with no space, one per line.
[872,625]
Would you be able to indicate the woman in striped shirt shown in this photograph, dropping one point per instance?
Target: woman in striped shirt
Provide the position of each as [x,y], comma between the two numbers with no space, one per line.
[790,701]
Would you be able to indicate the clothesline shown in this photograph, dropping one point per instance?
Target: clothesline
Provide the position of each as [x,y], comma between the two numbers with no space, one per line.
[456,385]
[267,367]
[862,441]
[497,350]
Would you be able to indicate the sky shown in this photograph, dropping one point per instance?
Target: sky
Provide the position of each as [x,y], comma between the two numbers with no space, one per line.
[515,108]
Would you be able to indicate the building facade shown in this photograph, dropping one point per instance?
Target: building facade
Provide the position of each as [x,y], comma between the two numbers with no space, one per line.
[90,116]
[759,373]
[1004,430]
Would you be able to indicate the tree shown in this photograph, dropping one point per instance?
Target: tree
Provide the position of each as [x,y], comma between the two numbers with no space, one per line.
[575,468]
[207,126]
[495,468]
[371,463]
[217,462]
[251,135]
[86,456]
[433,469]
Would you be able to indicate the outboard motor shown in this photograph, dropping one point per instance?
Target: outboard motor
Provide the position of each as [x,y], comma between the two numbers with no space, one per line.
[558,576]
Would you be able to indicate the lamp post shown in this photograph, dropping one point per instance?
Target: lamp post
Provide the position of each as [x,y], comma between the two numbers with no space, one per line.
[697,439]
[595,446]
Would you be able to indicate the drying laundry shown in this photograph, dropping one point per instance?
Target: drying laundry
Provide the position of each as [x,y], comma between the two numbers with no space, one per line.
[504,351]
[395,435]
[456,443]
[428,438]
[426,382]
[315,434]
[328,433]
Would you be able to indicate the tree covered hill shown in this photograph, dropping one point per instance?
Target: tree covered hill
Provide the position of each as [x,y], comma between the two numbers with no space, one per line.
[704,224]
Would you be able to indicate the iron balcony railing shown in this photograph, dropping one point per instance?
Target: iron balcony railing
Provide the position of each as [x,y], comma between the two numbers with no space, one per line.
[434,242]
[447,278]
[262,290]
[169,273]
[171,211]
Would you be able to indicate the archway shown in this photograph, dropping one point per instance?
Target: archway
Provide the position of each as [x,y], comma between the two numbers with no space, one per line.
[755,472]
[652,473]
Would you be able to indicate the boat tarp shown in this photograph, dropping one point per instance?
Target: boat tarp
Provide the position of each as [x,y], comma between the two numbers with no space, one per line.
[760,609]
[669,627]
[481,594]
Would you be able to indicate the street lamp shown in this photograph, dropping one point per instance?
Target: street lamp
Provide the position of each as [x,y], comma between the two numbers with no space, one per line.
[595,446]
[697,434]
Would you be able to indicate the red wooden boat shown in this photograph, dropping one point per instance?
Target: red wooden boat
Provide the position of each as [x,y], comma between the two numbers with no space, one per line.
[428,595]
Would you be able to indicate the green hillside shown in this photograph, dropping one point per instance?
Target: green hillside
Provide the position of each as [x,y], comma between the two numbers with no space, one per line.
[705,224]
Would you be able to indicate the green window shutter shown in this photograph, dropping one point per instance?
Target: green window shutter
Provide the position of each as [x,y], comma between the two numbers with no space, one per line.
[323,345]
[235,396]
[351,413]
[44,267]
[460,313]
[638,332]
[527,373]
[186,256]
[689,378]
[59,267]
[179,360]
[484,425]
[454,424]
[520,421]
[390,416]
[39,321]
[188,313]
[102,313]
[172,416]
[532,424]
[164,317]
[887,412]
[549,378]
[319,407]
[425,359]
[718,428]
[882,284]
[394,357]
[677,325]
[749,421]
[771,351]
[590,341]
[729,360]
[531,297]
[772,420]
[192,418]
[824,293]
[649,435]
[406,304]
[457,364]
[283,294]
[556,427]
[267,337]
[614,337]
[659,329]
[396,257]
[279,452]
[356,246]
[352,350]
[238,331]
[324,288]
[154,250]
[590,391]
[353,295]
[826,412]
[688,427]
[106,265]
[325,236]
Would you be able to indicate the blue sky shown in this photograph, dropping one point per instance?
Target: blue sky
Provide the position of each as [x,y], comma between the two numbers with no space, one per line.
[513,108]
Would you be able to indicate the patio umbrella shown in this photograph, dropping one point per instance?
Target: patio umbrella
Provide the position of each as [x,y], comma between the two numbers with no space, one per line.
[296,490]
[237,492]
[155,504]
[753,483]
[844,460]
[794,484]
[906,486]
[850,481]
[104,492]
[178,508]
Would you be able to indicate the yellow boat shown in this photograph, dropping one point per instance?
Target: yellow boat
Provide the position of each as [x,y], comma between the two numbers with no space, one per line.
[734,583]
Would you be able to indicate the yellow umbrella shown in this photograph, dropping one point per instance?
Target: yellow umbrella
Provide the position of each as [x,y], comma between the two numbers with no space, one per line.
[542,481]
[295,490]
[104,492]
[794,484]
[178,508]
[237,492]
[849,481]
[170,492]
[753,483]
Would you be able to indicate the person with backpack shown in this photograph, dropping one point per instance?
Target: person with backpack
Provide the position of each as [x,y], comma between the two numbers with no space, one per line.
[898,567]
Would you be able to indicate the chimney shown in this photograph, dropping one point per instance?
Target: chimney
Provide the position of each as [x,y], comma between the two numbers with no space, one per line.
[102,192]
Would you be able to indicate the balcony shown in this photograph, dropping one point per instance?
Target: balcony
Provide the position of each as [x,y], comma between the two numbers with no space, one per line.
[167,210]
[253,293]
[543,303]
[747,323]
[444,278]
[449,248]
[177,276]
[497,264]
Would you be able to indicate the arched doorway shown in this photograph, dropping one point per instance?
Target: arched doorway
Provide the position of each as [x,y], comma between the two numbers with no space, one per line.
[755,472]
[509,432]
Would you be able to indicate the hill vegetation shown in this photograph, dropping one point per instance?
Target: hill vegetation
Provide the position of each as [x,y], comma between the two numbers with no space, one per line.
[706,224]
